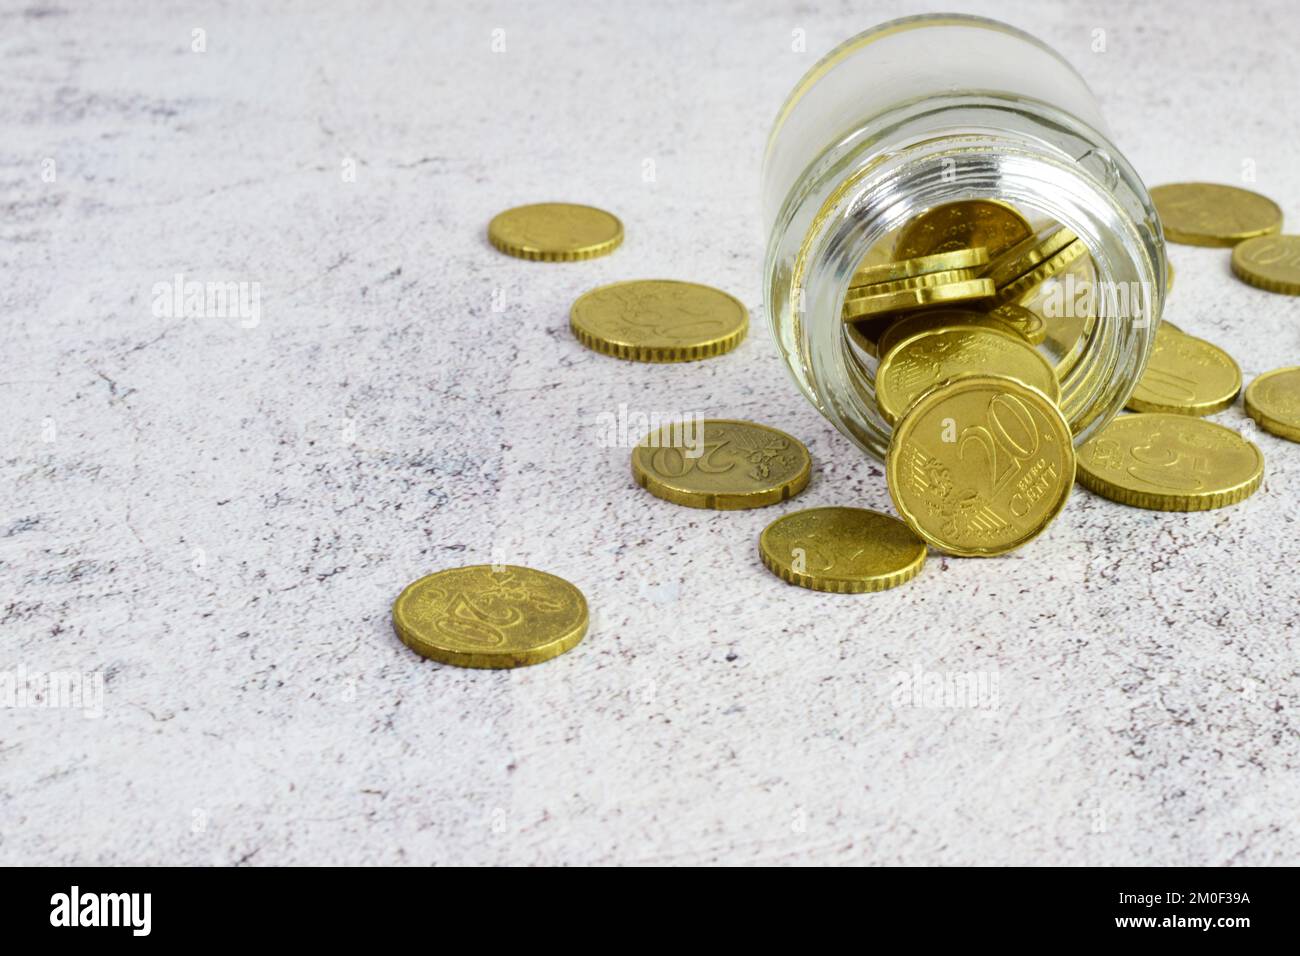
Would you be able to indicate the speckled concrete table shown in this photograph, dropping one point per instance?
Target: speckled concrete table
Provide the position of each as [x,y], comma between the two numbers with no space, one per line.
[210,517]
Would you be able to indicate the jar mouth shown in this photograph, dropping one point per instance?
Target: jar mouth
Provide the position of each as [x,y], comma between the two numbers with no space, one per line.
[864,195]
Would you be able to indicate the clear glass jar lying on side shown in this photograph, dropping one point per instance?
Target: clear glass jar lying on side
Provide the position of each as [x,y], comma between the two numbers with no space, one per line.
[927,111]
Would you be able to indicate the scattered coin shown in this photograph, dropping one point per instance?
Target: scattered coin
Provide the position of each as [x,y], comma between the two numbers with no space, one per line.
[845,550]
[555,232]
[921,265]
[490,616]
[659,320]
[1208,214]
[1170,463]
[1186,376]
[908,299]
[914,323]
[728,465]
[924,360]
[1273,401]
[1269,262]
[963,225]
[980,465]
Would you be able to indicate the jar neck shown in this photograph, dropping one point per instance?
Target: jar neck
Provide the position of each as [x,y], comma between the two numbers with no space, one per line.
[941,151]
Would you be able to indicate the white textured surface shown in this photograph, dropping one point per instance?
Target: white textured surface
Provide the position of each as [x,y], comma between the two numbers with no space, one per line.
[259,708]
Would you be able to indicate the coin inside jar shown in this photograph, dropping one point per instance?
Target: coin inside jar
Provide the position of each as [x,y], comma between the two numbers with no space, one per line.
[985,223]
[921,265]
[866,302]
[904,327]
[936,355]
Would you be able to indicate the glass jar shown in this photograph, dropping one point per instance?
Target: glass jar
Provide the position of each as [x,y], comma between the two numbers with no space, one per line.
[925,111]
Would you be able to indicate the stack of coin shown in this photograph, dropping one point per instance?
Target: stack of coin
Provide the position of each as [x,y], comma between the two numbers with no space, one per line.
[917,283]
[1020,270]
[992,280]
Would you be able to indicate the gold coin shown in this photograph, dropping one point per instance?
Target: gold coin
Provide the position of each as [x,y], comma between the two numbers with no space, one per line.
[914,323]
[845,550]
[1273,401]
[1054,264]
[947,277]
[922,265]
[555,232]
[1026,323]
[490,616]
[909,299]
[728,465]
[1269,262]
[659,320]
[980,465]
[1028,253]
[1207,214]
[1169,276]
[1185,376]
[922,361]
[963,225]
[1170,463]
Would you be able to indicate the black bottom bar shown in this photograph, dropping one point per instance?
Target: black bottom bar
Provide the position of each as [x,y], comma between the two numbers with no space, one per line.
[213,906]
